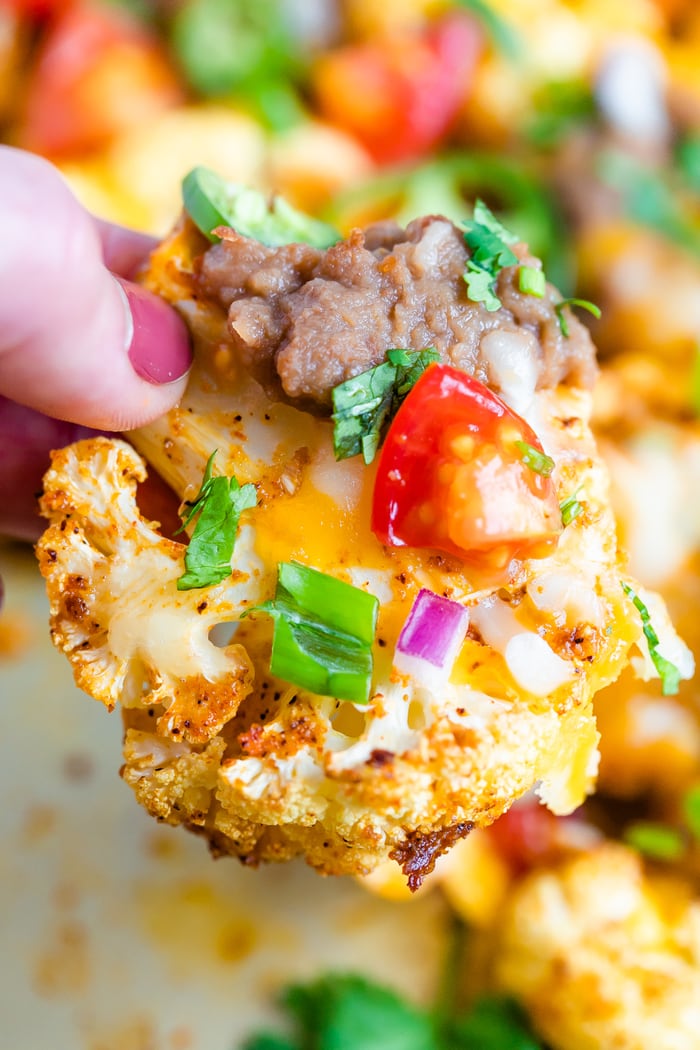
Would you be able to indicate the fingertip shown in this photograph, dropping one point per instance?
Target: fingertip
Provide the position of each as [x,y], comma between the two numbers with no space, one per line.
[159,342]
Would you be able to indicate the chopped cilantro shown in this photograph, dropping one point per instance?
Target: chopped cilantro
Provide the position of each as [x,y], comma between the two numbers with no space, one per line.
[654,840]
[217,507]
[493,1023]
[270,1041]
[668,672]
[534,459]
[481,286]
[570,508]
[364,406]
[348,1012]
[584,304]
[489,242]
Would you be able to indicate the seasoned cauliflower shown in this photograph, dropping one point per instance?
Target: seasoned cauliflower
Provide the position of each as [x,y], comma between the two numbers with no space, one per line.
[261,767]
[603,956]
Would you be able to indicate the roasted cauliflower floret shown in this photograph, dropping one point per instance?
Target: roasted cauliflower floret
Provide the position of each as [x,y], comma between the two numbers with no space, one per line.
[131,636]
[603,956]
[267,769]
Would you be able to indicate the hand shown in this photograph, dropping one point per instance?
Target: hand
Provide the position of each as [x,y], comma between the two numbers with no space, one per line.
[79,347]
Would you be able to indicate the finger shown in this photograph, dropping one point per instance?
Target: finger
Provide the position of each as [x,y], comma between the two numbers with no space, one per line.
[26,438]
[123,251]
[75,343]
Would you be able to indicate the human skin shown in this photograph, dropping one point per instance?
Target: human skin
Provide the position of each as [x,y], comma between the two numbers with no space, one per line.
[81,346]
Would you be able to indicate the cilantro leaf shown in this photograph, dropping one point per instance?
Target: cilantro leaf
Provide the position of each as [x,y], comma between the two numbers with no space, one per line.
[350,1012]
[481,285]
[485,217]
[270,1041]
[493,1023]
[364,405]
[489,242]
[668,672]
[346,1012]
[217,507]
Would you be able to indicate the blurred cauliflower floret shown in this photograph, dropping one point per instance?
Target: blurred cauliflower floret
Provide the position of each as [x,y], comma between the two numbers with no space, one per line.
[603,956]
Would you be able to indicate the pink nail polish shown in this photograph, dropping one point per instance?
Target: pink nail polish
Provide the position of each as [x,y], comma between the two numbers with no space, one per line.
[159,350]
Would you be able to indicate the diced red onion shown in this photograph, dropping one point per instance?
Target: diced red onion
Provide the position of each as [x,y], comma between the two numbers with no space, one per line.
[431,638]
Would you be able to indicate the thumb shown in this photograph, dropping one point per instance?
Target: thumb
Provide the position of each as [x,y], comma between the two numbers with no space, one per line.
[76,342]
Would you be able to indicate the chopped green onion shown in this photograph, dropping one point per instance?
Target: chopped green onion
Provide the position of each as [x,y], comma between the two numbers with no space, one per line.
[532,281]
[489,242]
[570,508]
[324,631]
[668,672]
[657,841]
[217,507]
[534,459]
[584,304]
[211,201]
[364,406]
[691,810]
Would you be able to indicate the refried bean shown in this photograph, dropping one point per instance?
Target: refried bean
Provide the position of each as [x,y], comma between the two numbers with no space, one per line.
[303,320]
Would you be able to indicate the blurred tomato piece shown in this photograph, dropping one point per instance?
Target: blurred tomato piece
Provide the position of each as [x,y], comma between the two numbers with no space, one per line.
[98,72]
[399,96]
[36,9]
[530,835]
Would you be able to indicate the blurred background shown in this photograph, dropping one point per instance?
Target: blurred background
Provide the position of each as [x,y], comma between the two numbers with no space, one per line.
[579,124]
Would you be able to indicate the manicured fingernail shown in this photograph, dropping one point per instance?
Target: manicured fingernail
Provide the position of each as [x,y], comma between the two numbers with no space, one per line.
[159,347]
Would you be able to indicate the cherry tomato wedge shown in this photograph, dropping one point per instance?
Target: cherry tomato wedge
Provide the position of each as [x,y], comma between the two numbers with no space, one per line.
[452,475]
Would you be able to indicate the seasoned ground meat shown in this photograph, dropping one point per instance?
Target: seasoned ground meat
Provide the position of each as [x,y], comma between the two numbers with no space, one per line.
[309,319]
